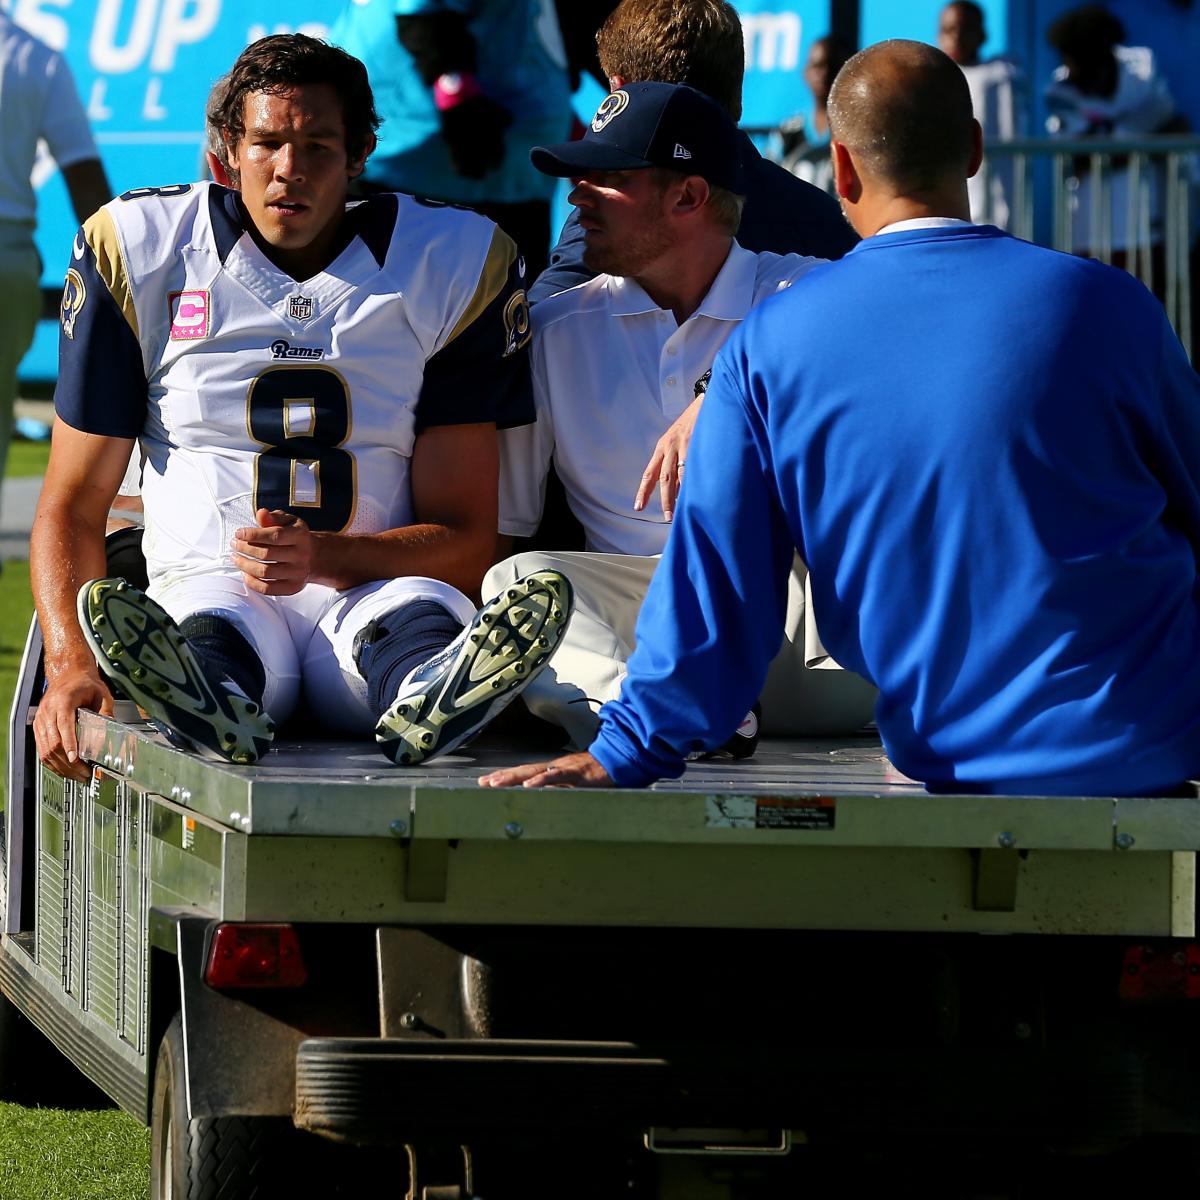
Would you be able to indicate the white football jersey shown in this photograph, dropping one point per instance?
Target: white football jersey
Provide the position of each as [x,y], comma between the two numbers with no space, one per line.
[251,390]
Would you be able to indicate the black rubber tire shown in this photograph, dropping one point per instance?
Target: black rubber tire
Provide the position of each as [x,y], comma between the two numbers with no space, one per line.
[212,1158]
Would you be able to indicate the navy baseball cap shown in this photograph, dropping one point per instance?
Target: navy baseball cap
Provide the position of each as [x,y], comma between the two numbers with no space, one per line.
[653,125]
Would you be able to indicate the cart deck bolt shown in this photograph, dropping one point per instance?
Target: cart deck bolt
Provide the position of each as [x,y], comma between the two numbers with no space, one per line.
[1006,841]
[1124,841]
[513,829]
[399,828]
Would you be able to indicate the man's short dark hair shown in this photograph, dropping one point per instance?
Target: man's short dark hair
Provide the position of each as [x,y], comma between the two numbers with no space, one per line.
[277,64]
[904,108]
[1086,32]
[968,8]
[697,42]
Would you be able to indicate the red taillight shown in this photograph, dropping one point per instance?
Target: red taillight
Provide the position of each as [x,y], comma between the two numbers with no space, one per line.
[1161,972]
[255,956]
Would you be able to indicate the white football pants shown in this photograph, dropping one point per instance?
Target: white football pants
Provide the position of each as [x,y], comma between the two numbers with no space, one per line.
[806,694]
[306,641]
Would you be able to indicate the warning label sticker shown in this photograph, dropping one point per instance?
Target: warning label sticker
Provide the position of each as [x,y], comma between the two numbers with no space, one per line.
[770,812]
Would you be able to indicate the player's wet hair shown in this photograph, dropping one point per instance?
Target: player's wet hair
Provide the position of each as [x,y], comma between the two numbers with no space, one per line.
[697,42]
[904,109]
[277,64]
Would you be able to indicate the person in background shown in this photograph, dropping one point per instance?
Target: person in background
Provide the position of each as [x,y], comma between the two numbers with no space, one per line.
[1106,89]
[998,97]
[987,452]
[578,21]
[699,42]
[465,88]
[805,150]
[38,101]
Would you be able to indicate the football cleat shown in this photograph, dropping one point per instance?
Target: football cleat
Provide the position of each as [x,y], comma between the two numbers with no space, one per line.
[139,647]
[456,693]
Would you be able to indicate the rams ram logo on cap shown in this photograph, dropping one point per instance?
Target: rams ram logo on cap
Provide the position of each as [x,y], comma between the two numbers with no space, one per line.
[610,106]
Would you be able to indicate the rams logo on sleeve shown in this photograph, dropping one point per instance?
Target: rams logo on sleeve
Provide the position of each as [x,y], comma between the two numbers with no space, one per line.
[516,323]
[74,294]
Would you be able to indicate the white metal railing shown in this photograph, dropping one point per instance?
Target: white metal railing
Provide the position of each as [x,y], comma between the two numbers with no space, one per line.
[1123,200]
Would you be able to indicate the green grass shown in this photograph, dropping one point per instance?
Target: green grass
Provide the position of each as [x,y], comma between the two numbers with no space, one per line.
[51,1154]
[47,1153]
[27,458]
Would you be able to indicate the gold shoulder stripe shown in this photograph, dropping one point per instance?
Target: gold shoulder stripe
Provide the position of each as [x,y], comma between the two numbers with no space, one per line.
[101,234]
[501,255]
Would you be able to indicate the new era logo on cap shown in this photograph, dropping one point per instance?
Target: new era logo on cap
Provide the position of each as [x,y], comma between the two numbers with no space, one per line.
[682,151]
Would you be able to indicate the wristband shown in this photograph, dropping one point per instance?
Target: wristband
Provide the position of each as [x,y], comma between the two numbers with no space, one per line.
[455,88]
[702,383]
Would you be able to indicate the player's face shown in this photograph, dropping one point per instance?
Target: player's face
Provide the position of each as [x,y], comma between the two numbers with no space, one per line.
[960,35]
[623,216]
[294,172]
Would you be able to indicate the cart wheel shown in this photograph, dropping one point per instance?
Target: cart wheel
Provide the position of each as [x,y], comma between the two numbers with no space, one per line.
[211,1158]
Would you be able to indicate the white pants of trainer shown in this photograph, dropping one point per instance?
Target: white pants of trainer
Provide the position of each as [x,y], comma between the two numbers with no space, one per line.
[806,694]
[20,305]
[305,642]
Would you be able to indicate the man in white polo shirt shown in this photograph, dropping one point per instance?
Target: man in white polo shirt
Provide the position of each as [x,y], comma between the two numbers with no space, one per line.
[616,362]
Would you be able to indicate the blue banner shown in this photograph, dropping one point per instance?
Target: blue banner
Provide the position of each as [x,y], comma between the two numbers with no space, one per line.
[778,34]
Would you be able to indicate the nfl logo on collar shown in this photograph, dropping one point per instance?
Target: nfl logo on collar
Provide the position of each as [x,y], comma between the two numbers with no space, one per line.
[300,308]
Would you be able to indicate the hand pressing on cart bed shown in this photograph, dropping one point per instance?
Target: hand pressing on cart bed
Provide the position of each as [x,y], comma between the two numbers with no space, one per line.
[570,771]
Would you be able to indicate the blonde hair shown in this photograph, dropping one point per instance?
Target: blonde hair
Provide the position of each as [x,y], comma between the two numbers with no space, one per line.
[697,42]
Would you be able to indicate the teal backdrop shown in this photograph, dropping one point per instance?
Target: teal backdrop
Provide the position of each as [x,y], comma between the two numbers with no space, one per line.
[144,68]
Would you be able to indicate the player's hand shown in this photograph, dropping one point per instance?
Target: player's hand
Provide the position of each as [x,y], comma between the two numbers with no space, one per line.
[570,771]
[54,723]
[667,462]
[275,557]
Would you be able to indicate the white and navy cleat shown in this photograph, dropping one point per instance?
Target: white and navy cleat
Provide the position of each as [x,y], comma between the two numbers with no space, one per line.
[139,647]
[456,693]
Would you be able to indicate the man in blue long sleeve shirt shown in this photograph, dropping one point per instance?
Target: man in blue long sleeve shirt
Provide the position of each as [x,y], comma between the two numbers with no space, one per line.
[989,456]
